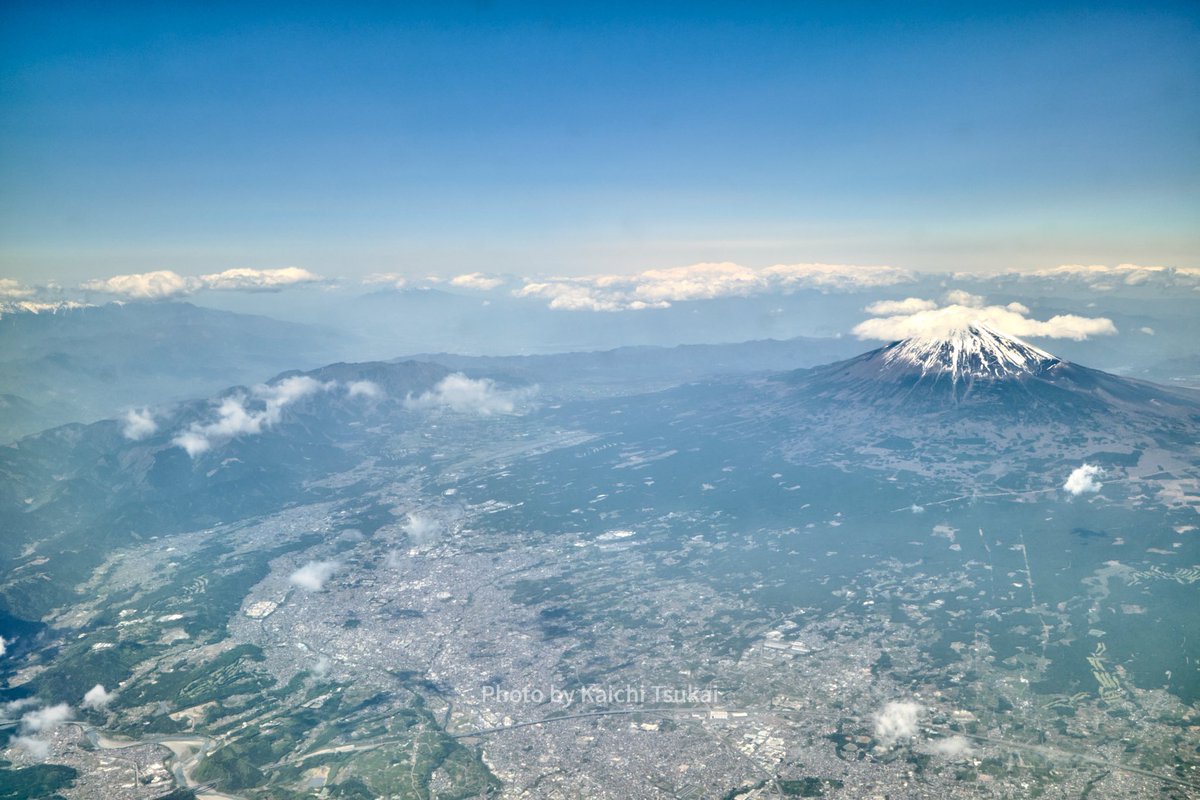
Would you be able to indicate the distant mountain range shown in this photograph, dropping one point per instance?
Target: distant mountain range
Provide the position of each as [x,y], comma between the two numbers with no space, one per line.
[84,364]
[646,368]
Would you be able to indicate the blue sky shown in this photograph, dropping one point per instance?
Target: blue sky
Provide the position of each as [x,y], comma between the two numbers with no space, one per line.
[529,139]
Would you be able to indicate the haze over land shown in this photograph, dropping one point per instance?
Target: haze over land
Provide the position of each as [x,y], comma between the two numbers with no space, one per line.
[520,401]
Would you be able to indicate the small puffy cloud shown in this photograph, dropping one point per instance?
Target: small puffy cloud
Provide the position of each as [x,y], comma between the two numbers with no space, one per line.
[156,285]
[891,324]
[320,668]
[97,698]
[659,288]
[312,576]
[3,646]
[950,747]
[193,443]
[289,390]
[909,305]
[164,284]
[239,415]
[958,297]
[46,718]
[916,509]
[476,280]
[138,424]
[897,722]
[1082,480]
[1146,330]
[464,395]
[34,747]
[421,530]
[15,290]
[367,389]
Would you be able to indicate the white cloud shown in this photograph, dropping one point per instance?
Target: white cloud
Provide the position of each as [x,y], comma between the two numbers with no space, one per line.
[421,530]
[394,279]
[958,297]
[567,294]
[193,443]
[3,646]
[14,290]
[476,280]
[162,284]
[138,424]
[1082,480]
[465,395]
[97,697]
[916,509]
[36,748]
[909,305]
[238,415]
[1146,330]
[12,709]
[839,277]
[1011,319]
[950,747]
[897,721]
[1105,277]
[155,285]
[46,718]
[257,280]
[367,389]
[320,668]
[659,288]
[312,576]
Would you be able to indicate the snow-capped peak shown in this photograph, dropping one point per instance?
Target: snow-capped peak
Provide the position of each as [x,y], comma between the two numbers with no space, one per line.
[970,353]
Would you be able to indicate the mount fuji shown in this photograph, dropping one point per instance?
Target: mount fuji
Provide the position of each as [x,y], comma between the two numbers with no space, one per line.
[977,366]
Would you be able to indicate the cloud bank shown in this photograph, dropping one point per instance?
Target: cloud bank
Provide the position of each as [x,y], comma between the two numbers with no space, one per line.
[312,576]
[257,280]
[659,288]
[464,395]
[15,290]
[914,317]
[1082,480]
[241,415]
[1102,277]
[164,284]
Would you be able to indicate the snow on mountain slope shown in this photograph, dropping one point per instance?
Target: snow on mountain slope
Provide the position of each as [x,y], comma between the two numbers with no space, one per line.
[972,353]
